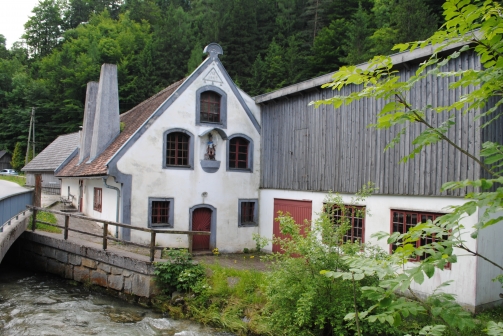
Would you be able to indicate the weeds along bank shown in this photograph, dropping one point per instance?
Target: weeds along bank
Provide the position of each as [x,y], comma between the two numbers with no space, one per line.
[296,297]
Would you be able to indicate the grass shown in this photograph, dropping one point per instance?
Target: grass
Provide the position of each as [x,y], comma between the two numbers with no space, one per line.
[229,298]
[45,217]
[21,180]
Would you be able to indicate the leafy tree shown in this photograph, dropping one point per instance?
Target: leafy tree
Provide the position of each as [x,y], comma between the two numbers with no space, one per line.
[476,26]
[17,157]
[44,29]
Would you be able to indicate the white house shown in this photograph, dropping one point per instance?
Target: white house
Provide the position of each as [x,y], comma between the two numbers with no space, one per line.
[188,158]
[203,155]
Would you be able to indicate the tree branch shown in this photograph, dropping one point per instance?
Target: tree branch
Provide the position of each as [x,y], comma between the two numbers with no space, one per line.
[443,137]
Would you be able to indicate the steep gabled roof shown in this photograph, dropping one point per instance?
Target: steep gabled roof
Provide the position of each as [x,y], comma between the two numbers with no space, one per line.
[132,120]
[55,154]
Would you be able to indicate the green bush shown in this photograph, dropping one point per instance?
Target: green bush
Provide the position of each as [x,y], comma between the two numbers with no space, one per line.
[301,301]
[179,273]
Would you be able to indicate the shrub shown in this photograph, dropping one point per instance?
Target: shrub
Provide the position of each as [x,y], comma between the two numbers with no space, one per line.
[304,302]
[179,273]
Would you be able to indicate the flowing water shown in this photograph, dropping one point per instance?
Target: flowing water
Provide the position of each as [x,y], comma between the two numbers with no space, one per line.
[42,304]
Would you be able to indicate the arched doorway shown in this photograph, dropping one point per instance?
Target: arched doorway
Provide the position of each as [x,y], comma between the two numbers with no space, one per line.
[203,218]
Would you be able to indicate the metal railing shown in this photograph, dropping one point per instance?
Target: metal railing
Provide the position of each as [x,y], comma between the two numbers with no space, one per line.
[153,233]
[11,206]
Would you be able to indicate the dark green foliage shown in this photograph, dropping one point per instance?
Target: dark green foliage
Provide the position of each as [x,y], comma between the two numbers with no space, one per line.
[267,44]
[179,272]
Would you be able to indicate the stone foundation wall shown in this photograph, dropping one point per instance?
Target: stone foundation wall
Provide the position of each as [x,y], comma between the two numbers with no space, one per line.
[124,276]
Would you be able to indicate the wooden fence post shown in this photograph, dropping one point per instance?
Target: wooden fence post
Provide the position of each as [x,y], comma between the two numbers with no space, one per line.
[34,220]
[67,223]
[105,233]
[152,245]
[37,195]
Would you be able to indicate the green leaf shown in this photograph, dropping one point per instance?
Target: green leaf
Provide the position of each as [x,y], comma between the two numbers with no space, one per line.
[419,277]
[429,269]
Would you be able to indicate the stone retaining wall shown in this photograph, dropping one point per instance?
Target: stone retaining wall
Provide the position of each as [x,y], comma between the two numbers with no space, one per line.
[124,276]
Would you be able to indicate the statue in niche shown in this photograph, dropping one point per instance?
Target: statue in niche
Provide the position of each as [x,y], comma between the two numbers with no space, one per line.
[210,148]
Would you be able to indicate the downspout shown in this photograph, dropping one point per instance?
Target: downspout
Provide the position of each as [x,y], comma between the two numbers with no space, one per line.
[118,204]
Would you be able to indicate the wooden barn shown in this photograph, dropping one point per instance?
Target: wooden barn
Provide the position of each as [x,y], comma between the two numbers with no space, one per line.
[5,159]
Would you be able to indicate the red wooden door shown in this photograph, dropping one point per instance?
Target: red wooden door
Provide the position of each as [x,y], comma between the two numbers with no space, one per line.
[201,221]
[299,210]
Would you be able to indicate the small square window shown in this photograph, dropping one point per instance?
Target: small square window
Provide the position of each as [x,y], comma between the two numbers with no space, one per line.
[402,221]
[97,201]
[160,212]
[248,212]
[355,215]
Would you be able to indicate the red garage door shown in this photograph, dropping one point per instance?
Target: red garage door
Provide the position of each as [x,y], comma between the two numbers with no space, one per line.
[299,210]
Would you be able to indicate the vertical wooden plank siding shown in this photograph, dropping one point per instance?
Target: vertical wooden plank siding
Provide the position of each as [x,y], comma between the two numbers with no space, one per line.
[323,149]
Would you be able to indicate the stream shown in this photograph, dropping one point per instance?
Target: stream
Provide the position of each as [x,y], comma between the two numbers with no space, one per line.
[42,304]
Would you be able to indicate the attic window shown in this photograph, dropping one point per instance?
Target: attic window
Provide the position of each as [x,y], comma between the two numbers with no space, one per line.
[210,107]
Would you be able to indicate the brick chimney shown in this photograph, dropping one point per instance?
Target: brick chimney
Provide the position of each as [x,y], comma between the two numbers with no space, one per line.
[106,121]
[88,124]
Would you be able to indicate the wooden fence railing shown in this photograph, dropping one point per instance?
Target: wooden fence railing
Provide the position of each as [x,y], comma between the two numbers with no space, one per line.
[153,233]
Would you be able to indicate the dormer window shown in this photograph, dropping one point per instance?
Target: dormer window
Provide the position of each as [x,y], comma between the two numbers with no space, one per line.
[210,107]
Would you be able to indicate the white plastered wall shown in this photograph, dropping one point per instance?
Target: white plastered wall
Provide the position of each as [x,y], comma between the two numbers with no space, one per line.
[143,160]
[108,201]
[378,208]
[489,246]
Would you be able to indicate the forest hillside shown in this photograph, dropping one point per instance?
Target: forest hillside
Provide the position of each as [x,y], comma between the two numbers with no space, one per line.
[268,44]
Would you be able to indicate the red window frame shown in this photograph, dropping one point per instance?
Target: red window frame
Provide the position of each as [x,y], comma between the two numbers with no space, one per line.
[177,149]
[357,230]
[210,107]
[238,153]
[160,212]
[247,212]
[98,198]
[401,221]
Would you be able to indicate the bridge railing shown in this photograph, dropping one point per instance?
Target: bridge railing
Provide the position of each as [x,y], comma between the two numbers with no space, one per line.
[153,233]
[11,206]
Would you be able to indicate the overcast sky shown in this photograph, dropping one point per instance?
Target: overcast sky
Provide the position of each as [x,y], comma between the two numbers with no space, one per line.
[13,16]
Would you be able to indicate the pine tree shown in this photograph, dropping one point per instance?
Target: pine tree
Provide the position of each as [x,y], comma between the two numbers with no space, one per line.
[17,157]
[358,44]
[413,20]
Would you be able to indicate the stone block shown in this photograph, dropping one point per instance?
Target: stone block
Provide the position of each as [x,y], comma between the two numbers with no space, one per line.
[128,285]
[55,267]
[117,270]
[74,259]
[116,282]
[48,252]
[68,272]
[89,263]
[104,267]
[141,285]
[81,273]
[61,256]
[127,273]
[99,278]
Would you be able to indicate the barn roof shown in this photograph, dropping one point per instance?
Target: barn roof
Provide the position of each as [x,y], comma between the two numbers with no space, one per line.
[2,153]
[132,120]
[55,154]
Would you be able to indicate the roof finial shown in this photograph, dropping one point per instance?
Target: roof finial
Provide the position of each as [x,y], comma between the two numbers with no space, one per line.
[213,49]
